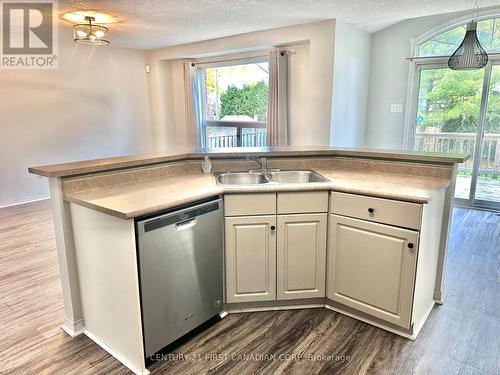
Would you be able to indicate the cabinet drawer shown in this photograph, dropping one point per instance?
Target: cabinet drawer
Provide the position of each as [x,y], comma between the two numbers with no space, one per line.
[249,204]
[387,211]
[302,202]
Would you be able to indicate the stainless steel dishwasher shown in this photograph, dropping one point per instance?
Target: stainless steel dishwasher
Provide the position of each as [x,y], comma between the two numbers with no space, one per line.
[180,271]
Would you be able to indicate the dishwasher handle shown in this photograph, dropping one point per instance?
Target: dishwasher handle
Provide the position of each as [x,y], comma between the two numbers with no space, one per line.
[182,219]
[186,224]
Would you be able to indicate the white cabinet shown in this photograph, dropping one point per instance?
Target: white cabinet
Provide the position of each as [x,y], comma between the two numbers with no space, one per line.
[301,256]
[271,257]
[380,210]
[250,243]
[372,258]
[372,268]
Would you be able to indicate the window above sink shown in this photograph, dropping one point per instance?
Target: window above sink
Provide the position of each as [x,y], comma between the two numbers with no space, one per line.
[234,100]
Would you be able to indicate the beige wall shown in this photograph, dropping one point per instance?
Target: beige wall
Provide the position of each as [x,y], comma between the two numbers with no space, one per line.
[351,70]
[311,80]
[95,105]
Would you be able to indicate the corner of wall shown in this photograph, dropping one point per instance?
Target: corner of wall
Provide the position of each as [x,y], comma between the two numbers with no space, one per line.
[351,67]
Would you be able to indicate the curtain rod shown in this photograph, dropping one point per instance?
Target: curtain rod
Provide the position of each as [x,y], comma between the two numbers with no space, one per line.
[283,52]
[414,58]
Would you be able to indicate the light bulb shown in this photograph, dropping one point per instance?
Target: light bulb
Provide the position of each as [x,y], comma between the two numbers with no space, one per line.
[92,37]
[99,34]
[81,33]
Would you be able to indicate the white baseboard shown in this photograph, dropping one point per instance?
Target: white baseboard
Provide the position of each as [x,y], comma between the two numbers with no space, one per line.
[439,296]
[273,308]
[73,328]
[418,326]
[17,202]
[116,355]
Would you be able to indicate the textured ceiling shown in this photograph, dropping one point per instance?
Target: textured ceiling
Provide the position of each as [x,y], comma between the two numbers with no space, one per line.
[149,24]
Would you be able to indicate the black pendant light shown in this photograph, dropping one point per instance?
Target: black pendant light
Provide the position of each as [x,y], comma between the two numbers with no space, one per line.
[470,54]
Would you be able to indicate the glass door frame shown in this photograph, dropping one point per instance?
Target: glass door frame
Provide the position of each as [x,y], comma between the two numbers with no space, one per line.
[411,115]
[493,61]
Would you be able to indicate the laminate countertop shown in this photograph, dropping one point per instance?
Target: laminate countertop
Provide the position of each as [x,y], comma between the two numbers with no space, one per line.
[133,161]
[137,199]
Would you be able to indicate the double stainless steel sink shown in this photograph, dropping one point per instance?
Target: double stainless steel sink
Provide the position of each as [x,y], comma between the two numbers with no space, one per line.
[270,177]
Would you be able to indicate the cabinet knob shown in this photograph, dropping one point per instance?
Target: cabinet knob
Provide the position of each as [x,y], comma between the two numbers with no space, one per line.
[371,210]
[410,245]
[273,227]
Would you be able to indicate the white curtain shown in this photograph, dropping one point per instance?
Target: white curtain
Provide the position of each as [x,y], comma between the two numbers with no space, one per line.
[277,114]
[193,112]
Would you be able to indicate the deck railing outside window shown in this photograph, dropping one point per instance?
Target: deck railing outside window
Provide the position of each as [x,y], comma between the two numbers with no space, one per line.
[222,134]
[463,143]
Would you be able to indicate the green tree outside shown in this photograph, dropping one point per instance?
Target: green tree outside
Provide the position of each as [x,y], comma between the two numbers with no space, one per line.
[250,100]
[450,100]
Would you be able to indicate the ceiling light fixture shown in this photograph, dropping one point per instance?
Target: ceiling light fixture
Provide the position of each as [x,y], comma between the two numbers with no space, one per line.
[470,54]
[78,16]
[90,34]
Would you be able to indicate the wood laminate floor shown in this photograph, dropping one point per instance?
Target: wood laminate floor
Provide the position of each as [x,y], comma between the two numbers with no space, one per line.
[460,337]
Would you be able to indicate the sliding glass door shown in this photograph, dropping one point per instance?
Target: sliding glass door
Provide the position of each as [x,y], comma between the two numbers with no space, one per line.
[459,111]
[487,177]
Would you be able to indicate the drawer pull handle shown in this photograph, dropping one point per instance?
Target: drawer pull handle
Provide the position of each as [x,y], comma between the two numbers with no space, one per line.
[371,210]
[273,227]
[410,245]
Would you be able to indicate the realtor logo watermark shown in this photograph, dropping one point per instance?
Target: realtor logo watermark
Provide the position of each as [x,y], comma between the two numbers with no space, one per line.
[29,35]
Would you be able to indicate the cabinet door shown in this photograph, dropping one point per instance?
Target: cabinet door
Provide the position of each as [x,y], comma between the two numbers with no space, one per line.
[371,268]
[301,256]
[250,258]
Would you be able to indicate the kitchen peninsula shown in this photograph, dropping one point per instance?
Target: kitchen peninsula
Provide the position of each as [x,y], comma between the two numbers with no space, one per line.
[369,241]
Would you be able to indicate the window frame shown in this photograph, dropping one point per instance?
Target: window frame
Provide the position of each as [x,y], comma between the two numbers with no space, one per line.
[419,63]
[415,43]
[239,125]
[416,63]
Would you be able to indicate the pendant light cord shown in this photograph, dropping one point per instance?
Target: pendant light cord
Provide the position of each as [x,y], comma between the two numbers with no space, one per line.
[477,11]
